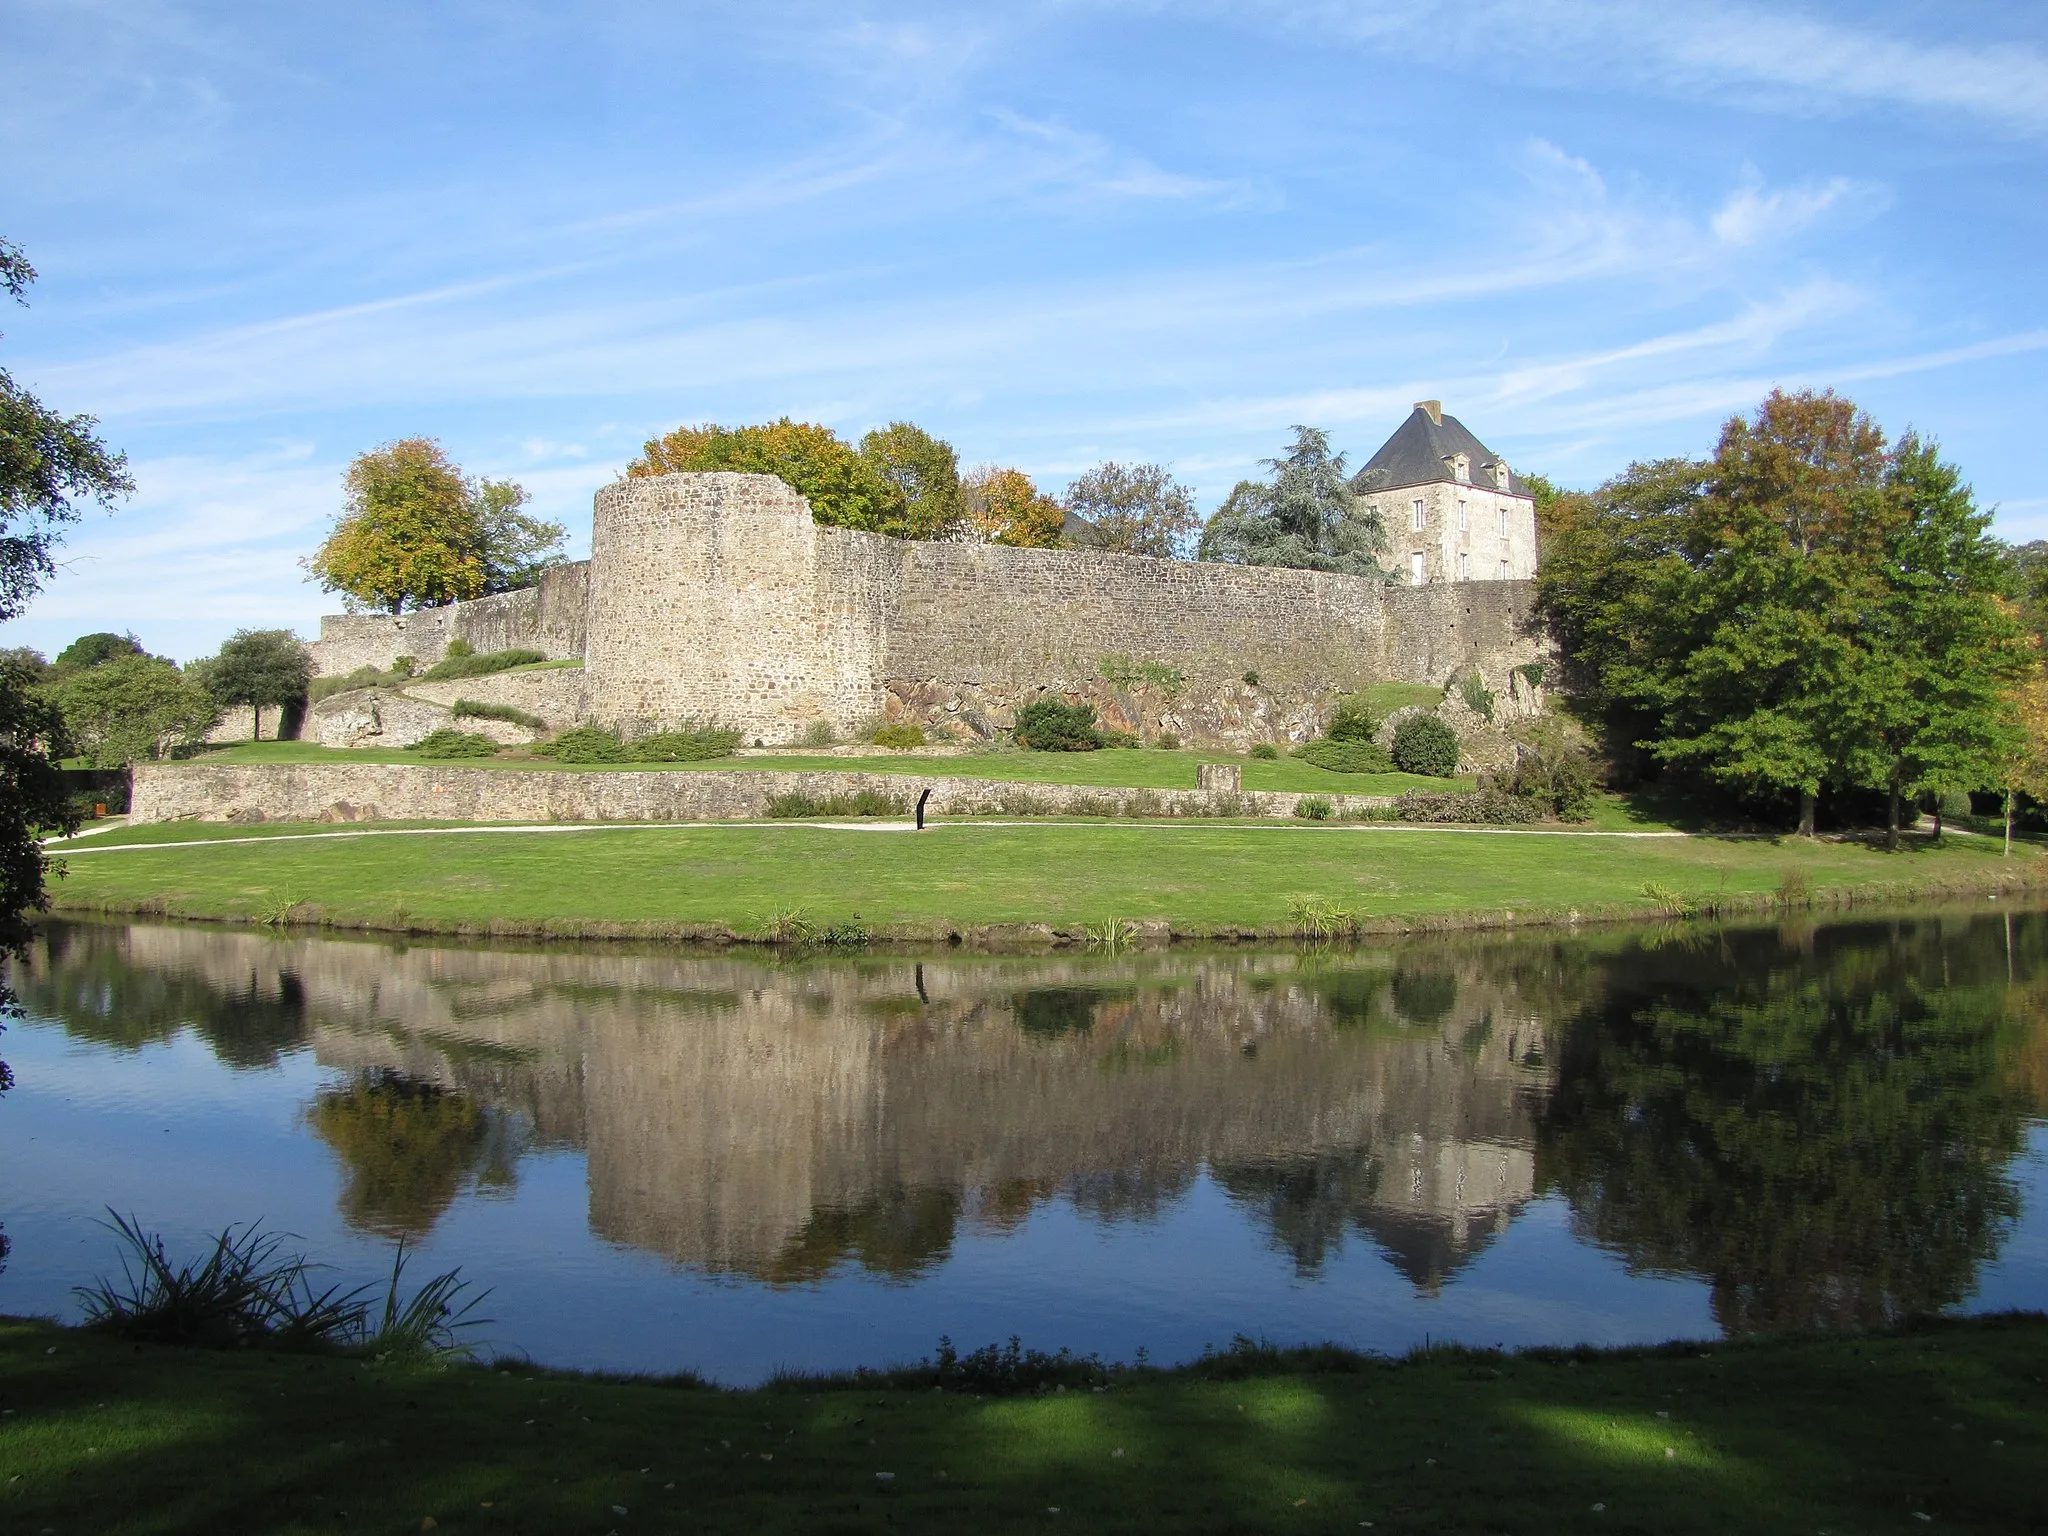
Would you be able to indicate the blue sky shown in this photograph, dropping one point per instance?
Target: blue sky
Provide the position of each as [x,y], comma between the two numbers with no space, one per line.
[272,236]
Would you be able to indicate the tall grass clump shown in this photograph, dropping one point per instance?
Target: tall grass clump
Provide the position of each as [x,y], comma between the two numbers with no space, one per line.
[476,709]
[1314,917]
[461,661]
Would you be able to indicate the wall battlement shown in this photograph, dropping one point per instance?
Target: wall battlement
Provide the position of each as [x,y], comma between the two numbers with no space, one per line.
[717,598]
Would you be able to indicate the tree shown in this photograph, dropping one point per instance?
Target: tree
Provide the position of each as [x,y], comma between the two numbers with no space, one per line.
[133,709]
[1810,608]
[844,489]
[1306,516]
[90,650]
[1140,509]
[1002,506]
[2023,766]
[924,471]
[49,465]
[260,668]
[415,531]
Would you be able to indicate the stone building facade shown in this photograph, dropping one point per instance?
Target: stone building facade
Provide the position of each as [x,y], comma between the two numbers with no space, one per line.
[716,599]
[1455,512]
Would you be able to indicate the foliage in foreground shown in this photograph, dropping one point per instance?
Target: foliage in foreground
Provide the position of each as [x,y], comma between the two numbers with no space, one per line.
[1048,725]
[247,1293]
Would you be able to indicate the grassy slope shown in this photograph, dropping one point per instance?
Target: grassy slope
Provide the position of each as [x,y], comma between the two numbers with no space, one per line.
[1112,767]
[1949,1424]
[1200,878]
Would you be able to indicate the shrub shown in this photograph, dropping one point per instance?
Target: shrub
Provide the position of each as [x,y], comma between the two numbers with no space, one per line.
[1047,725]
[901,736]
[1353,721]
[363,677]
[1345,756]
[584,744]
[458,650]
[1313,808]
[447,744]
[1554,772]
[472,709]
[684,746]
[1478,697]
[1251,678]
[797,806]
[819,733]
[1116,738]
[1169,741]
[1486,806]
[1265,751]
[466,663]
[1795,887]
[1424,744]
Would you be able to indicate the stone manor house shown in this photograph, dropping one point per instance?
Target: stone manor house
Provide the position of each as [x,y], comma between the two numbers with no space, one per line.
[717,599]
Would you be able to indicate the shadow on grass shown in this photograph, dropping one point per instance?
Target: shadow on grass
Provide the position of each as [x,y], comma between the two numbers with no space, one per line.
[1795,1435]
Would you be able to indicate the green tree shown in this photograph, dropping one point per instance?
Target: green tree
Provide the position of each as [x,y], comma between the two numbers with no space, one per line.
[1140,509]
[1306,515]
[133,709]
[416,532]
[90,650]
[844,489]
[924,471]
[259,668]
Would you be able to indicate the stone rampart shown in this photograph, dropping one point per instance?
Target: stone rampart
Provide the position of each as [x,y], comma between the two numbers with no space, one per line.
[548,617]
[435,792]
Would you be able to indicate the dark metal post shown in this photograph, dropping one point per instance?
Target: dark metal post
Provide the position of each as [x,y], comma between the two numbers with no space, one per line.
[920,808]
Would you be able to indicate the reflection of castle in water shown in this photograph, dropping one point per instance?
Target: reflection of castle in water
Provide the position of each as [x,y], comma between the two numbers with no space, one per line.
[771,1121]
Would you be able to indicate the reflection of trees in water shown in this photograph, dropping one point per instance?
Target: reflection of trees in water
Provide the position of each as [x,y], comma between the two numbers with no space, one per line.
[1307,1204]
[1049,1012]
[409,1148]
[1820,1129]
[901,1234]
[82,976]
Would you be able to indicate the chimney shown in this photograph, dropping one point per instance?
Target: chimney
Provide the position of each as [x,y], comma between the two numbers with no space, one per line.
[1434,409]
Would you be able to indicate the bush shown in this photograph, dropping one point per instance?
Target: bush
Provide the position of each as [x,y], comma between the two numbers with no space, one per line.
[901,736]
[1487,806]
[1047,725]
[819,733]
[1350,756]
[1116,738]
[1313,808]
[1169,741]
[472,709]
[868,802]
[466,663]
[686,746]
[1478,697]
[585,744]
[445,744]
[1353,721]
[1265,751]
[1424,744]
[363,677]
[1554,772]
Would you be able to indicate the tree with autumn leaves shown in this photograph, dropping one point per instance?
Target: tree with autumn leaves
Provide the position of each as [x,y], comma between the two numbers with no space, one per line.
[1813,607]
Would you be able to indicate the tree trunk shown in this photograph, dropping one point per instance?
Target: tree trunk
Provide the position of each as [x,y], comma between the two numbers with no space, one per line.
[1937,818]
[1807,800]
[256,722]
[1891,835]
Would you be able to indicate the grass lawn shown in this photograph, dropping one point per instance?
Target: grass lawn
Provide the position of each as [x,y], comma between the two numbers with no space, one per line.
[1200,878]
[1945,1427]
[1113,767]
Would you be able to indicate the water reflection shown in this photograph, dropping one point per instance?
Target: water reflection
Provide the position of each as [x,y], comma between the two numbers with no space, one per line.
[1818,1122]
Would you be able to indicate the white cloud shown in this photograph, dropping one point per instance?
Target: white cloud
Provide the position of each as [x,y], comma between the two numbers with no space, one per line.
[1754,213]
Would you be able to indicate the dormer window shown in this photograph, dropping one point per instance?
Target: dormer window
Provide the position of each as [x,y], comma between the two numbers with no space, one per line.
[1502,478]
[1461,468]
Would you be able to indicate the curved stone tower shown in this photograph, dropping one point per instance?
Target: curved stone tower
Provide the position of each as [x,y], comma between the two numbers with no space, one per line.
[715,599]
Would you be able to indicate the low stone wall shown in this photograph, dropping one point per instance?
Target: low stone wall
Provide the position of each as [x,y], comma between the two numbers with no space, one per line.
[548,617]
[431,792]
[555,694]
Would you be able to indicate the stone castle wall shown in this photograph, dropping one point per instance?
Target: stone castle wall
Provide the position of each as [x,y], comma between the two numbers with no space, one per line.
[716,598]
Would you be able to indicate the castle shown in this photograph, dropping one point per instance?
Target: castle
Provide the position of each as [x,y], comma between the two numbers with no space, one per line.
[715,598]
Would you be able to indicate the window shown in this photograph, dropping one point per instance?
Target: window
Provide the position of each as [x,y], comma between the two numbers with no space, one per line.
[1418,568]
[1417,513]
[1502,478]
[1461,468]
[1503,522]
[1464,567]
[1503,570]
[1464,516]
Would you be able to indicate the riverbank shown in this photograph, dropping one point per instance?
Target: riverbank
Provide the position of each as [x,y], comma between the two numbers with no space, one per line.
[1943,1425]
[992,884]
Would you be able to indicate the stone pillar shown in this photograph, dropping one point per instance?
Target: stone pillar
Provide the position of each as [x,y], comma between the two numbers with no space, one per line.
[1224,777]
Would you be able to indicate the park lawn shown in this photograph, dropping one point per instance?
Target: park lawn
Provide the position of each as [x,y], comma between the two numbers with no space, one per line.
[1945,1426]
[1113,767]
[1198,878]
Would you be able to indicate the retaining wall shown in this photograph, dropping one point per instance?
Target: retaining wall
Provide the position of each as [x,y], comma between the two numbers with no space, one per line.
[548,617]
[430,792]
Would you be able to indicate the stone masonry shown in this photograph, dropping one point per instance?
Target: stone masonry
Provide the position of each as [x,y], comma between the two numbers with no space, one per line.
[716,599]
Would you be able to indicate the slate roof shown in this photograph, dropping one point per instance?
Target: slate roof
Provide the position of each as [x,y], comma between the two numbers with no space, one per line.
[1420,451]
